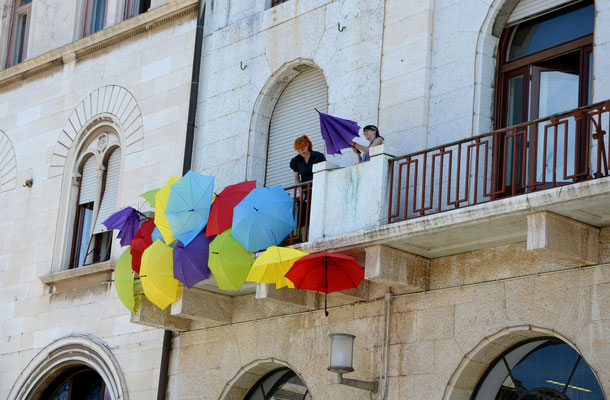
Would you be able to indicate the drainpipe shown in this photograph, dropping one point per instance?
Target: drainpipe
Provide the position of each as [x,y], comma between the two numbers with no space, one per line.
[188,159]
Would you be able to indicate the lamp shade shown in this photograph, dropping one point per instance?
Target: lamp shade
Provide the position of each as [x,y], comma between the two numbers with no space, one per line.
[341,352]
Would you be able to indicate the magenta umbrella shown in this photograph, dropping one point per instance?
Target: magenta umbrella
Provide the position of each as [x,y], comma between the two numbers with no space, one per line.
[127,221]
[191,261]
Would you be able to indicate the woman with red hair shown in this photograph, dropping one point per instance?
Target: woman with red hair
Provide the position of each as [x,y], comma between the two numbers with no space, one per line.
[302,163]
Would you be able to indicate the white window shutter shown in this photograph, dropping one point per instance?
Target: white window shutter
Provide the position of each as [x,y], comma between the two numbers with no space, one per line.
[294,115]
[88,181]
[531,8]
[111,190]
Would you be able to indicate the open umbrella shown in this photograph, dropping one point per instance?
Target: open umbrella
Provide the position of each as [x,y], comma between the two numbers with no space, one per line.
[150,196]
[127,221]
[229,261]
[140,243]
[191,261]
[161,199]
[221,214]
[188,205]
[263,218]
[272,265]
[326,273]
[337,132]
[157,275]
[123,280]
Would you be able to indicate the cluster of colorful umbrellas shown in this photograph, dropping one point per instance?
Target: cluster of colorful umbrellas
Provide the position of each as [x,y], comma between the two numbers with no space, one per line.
[196,233]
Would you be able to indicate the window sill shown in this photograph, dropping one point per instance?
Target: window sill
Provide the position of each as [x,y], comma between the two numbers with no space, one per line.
[79,277]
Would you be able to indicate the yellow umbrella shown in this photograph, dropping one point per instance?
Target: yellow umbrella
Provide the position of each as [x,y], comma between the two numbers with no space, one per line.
[272,265]
[157,275]
[161,199]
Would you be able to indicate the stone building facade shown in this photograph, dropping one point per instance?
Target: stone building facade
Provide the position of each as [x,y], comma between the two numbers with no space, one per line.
[468,286]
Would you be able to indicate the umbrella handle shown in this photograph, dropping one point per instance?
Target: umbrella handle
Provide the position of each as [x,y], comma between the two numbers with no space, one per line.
[317,110]
[325,308]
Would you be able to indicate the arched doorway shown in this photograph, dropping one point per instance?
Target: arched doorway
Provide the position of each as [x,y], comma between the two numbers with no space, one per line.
[76,383]
[539,369]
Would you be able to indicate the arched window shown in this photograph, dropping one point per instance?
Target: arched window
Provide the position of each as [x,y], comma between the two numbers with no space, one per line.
[294,115]
[544,68]
[97,180]
[77,383]
[281,384]
[541,369]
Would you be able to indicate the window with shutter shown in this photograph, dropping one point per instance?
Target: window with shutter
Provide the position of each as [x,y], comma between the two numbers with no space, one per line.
[294,115]
[84,213]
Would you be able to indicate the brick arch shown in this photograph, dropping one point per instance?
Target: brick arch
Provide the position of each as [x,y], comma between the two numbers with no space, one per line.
[8,164]
[76,349]
[249,374]
[474,364]
[113,102]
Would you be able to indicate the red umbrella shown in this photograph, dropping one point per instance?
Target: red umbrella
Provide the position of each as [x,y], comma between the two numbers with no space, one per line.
[221,213]
[140,243]
[326,273]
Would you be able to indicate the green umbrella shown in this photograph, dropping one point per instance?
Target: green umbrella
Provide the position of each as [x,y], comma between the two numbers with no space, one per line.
[229,261]
[150,196]
[123,280]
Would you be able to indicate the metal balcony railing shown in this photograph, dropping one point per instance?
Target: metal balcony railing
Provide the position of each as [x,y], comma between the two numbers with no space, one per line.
[558,150]
[301,207]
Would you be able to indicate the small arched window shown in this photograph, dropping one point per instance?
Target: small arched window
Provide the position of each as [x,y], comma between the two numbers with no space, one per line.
[97,179]
[280,384]
[545,369]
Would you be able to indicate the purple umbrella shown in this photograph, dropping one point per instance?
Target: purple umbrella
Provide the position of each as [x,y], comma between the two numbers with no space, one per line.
[337,132]
[191,261]
[127,221]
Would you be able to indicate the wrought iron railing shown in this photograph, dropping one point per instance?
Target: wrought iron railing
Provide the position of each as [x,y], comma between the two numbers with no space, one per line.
[301,207]
[558,150]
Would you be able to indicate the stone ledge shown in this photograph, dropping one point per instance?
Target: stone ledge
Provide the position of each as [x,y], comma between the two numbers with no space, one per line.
[98,41]
[77,277]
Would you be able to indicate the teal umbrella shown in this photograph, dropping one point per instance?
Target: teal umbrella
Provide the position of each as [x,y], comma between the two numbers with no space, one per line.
[188,206]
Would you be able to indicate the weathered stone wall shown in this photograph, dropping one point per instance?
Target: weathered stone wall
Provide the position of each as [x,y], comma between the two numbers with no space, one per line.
[441,341]
[154,68]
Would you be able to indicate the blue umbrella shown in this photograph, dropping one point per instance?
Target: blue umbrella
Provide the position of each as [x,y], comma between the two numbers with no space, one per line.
[188,206]
[337,132]
[263,218]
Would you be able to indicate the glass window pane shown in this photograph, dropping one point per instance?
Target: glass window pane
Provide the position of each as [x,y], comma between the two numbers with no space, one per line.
[23,2]
[558,92]
[20,34]
[98,15]
[557,28]
[63,392]
[85,232]
[514,114]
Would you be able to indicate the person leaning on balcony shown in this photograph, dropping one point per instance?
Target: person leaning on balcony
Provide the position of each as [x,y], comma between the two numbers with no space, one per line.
[371,133]
[302,163]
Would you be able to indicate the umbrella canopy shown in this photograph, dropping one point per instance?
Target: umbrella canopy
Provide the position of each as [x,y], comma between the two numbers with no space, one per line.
[229,261]
[191,261]
[327,273]
[188,205]
[127,221]
[337,132]
[156,235]
[140,243]
[161,199]
[221,214]
[272,265]
[123,280]
[263,218]
[157,275]
[150,196]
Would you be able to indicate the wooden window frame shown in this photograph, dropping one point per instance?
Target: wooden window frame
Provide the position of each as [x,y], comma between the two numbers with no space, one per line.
[87,19]
[17,11]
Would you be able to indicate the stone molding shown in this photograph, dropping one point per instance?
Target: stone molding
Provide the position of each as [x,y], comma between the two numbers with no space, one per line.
[79,277]
[248,375]
[72,350]
[109,104]
[8,164]
[142,23]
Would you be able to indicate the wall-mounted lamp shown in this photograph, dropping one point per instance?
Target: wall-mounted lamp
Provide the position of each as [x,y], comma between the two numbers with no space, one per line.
[341,358]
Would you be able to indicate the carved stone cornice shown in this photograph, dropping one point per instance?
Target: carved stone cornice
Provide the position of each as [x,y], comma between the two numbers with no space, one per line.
[100,40]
